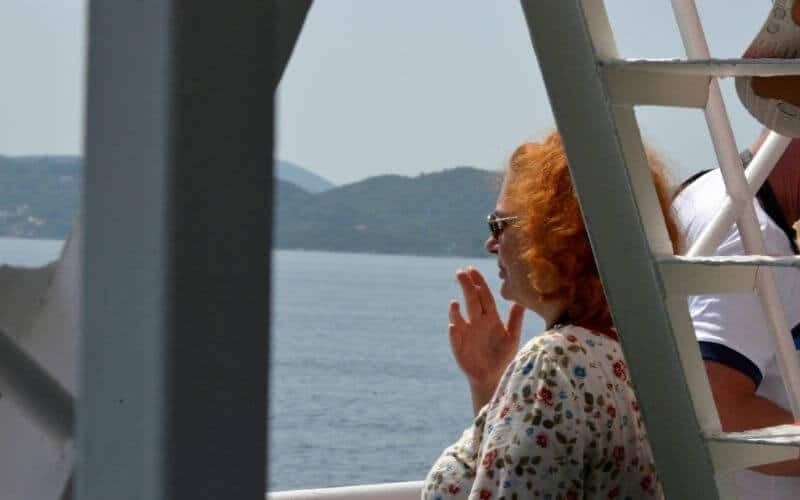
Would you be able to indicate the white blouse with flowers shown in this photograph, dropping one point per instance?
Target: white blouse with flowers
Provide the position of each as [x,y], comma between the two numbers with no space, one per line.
[563,424]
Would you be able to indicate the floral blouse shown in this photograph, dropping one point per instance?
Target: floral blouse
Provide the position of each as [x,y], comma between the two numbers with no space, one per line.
[563,424]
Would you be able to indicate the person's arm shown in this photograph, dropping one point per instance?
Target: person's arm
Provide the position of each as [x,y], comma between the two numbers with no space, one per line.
[741,409]
[481,394]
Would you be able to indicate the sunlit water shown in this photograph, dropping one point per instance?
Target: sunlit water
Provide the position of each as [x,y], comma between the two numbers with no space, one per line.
[363,386]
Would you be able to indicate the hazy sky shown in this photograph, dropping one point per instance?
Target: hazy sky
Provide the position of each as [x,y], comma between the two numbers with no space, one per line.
[383,86]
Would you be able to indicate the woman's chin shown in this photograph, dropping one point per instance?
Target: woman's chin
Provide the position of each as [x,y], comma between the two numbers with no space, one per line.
[505,292]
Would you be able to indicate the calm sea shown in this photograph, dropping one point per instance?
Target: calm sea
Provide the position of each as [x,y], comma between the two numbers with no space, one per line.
[363,386]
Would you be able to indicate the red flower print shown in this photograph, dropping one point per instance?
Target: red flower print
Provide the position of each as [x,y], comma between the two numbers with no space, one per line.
[486,494]
[635,405]
[596,415]
[619,370]
[646,483]
[546,395]
[504,412]
[618,454]
[453,488]
[488,459]
[611,411]
[541,440]
[614,493]
[572,338]
[572,495]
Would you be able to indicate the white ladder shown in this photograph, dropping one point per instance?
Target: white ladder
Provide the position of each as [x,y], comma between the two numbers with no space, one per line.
[592,93]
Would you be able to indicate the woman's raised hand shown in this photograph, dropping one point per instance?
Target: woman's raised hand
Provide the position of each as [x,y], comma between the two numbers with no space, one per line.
[482,344]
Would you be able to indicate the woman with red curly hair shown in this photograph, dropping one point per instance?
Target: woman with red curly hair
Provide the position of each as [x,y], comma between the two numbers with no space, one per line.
[559,417]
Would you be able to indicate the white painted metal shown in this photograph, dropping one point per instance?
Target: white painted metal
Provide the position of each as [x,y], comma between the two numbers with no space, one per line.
[21,291]
[741,197]
[612,180]
[704,68]
[756,173]
[385,491]
[689,278]
[691,363]
[734,260]
[633,86]
[730,456]
[738,450]
[777,434]
[716,275]
[29,386]
[39,310]
[681,83]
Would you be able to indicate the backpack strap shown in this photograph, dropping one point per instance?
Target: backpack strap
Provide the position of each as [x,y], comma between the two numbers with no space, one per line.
[770,204]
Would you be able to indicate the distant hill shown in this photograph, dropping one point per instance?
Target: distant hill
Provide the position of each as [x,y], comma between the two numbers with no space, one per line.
[431,214]
[39,195]
[309,181]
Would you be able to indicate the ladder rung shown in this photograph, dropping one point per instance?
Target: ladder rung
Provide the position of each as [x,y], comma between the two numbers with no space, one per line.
[730,456]
[787,434]
[732,451]
[718,274]
[680,82]
[720,68]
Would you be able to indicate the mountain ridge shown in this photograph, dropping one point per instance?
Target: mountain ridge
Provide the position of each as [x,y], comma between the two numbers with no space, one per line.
[441,213]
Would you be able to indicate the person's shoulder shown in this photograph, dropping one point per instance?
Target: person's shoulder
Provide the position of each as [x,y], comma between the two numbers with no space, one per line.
[709,182]
[552,343]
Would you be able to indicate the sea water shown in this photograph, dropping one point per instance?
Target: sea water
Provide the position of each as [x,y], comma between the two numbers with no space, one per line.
[363,388]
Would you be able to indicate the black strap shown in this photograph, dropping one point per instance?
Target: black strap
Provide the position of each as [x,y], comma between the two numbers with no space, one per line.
[767,196]
[770,204]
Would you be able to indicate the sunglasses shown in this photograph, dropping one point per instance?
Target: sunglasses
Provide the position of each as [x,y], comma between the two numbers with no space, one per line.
[499,224]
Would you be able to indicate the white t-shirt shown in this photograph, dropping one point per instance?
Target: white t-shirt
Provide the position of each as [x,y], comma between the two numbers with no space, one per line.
[732,328]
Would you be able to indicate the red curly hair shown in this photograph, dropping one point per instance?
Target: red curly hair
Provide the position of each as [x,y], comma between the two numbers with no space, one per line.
[558,248]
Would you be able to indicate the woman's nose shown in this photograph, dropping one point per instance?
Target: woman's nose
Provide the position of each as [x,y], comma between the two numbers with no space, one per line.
[491,244]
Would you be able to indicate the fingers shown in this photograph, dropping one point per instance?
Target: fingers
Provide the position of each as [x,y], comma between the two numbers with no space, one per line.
[455,315]
[515,316]
[468,289]
[457,325]
[484,292]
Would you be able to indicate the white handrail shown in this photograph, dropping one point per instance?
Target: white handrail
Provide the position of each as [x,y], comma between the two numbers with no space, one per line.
[736,185]
[756,173]
[387,491]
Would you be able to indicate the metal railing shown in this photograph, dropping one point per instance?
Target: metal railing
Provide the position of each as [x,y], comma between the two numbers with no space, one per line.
[386,491]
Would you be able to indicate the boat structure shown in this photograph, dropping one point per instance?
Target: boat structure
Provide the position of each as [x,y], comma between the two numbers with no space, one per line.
[136,365]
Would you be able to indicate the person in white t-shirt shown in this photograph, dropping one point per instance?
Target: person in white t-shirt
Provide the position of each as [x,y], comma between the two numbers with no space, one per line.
[732,331]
